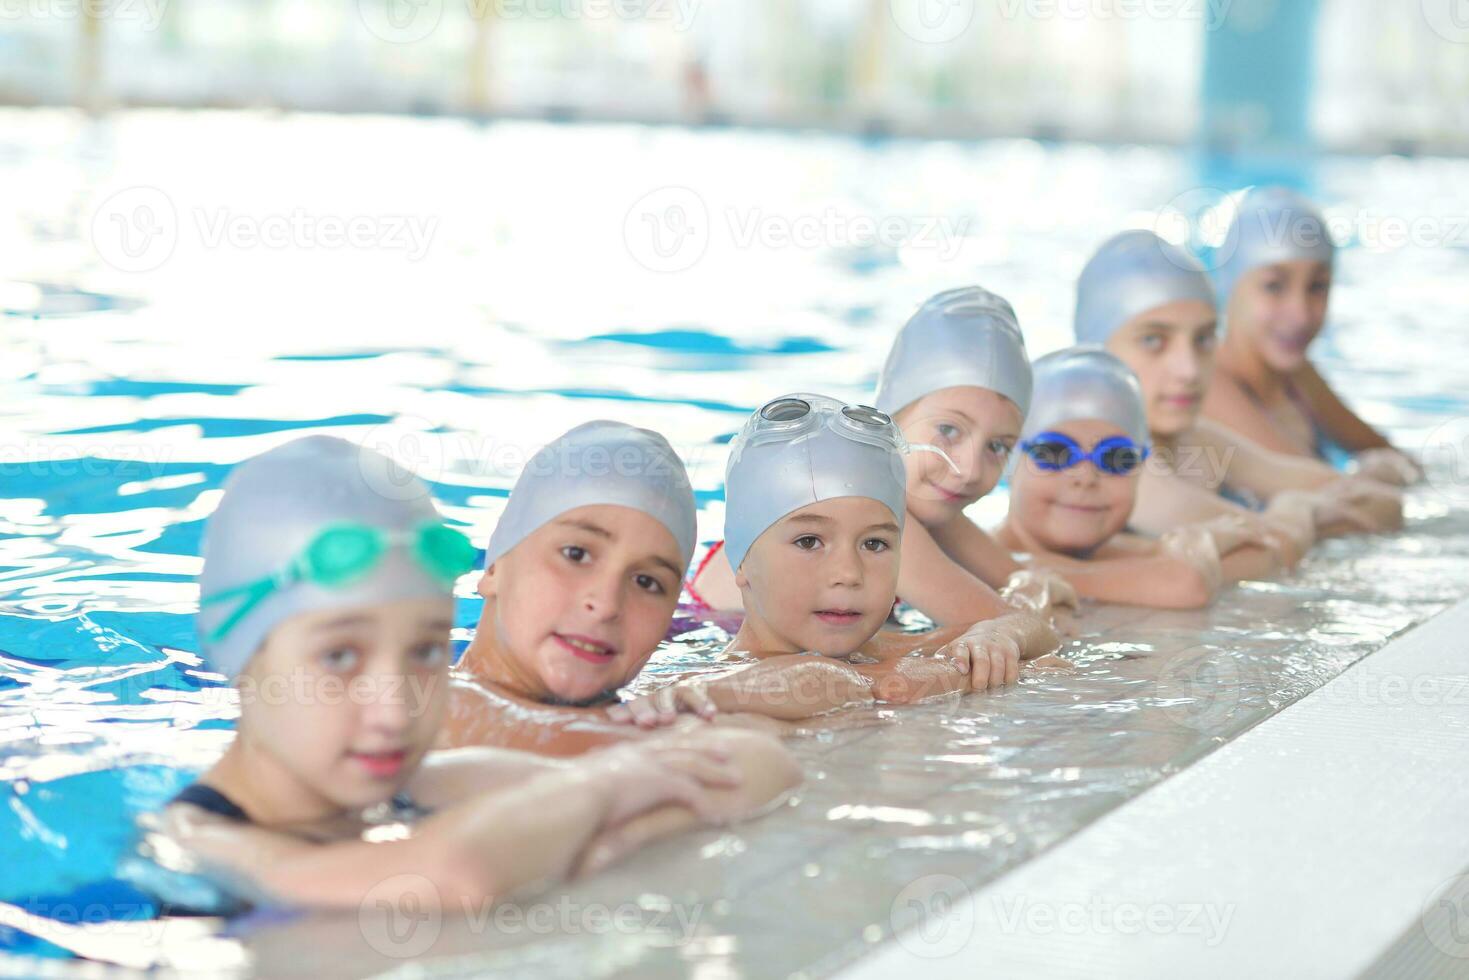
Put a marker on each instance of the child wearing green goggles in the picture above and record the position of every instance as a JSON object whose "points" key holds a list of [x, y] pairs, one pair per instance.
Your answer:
{"points": [[326, 599]]}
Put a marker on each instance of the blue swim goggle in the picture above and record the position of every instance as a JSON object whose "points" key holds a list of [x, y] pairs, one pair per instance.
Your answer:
{"points": [[787, 418], [341, 554], [1116, 455]]}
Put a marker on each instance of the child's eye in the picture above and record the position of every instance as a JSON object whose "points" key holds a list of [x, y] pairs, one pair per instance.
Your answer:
{"points": [[1273, 286], [575, 553], [807, 542], [341, 658], [876, 544], [1206, 341], [999, 447], [431, 654], [1320, 287], [650, 584], [1152, 342], [947, 431]]}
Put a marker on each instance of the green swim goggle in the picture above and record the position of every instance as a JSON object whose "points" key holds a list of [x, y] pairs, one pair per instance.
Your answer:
{"points": [[341, 554]]}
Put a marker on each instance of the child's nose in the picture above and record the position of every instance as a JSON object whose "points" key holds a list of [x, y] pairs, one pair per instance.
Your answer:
{"points": [[846, 567], [603, 597]]}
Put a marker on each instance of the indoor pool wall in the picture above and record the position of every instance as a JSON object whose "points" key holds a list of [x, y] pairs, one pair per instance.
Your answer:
{"points": [[507, 288]]}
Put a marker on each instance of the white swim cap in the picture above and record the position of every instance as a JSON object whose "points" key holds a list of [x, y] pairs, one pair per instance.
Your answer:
{"points": [[267, 555], [802, 449], [967, 336], [1086, 383], [599, 462], [1272, 224], [1132, 273]]}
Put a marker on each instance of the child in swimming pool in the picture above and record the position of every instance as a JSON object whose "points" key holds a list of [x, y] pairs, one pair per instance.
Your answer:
{"points": [[1274, 286], [1151, 305], [1071, 494], [582, 577], [814, 516], [957, 378], [326, 599]]}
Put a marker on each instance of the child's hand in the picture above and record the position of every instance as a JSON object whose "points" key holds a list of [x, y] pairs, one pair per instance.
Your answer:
{"points": [[989, 655], [1388, 466], [662, 707], [1039, 589], [1234, 531], [650, 774]]}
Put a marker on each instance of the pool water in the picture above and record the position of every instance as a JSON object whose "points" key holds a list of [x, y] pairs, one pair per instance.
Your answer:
{"points": [[181, 292]]}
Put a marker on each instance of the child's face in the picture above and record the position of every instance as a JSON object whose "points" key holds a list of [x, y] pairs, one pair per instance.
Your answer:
{"points": [[1279, 309], [1171, 350], [1074, 510], [978, 428], [583, 601], [823, 578], [350, 700]]}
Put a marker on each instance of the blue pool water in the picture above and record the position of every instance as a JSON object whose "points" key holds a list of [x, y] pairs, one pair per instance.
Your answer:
{"points": [[543, 286]]}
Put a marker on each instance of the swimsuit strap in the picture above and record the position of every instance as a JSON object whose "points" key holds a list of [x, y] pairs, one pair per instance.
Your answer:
{"points": [[703, 563], [211, 800]]}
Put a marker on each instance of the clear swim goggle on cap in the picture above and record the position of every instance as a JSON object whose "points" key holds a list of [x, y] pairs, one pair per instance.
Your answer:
{"points": [[792, 416]]}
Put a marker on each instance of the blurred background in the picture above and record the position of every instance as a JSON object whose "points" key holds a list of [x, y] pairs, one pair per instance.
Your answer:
{"points": [[1347, 75]]}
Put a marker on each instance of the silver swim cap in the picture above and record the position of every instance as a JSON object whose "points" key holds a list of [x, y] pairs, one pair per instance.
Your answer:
{"points": [[1087, 383], [966, 336], [275, 507], [599, 462], [1272, 224], [1132, 273], [802, 449]]}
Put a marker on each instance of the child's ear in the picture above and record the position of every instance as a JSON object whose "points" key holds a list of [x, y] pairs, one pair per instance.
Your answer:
{"points": [[741, 582]]}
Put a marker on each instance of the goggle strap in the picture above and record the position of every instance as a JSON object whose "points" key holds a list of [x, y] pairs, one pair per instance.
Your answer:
{"points": [[254, 594], [927, 448]]}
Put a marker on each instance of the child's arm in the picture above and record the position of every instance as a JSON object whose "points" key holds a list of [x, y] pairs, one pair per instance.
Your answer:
{"points": [[1267, 473], [968, 544], [1342, 425], [942, 589], [480, 849], [769, 771], [1134, 577], [790, 687]]}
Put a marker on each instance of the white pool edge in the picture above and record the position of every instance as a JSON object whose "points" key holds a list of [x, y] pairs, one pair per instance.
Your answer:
{"points": [[1303, 848]]}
